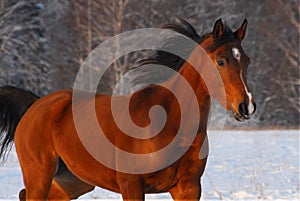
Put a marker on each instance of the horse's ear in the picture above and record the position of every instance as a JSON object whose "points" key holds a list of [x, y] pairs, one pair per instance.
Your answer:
{"points": [[241, 32], [218, 28]]}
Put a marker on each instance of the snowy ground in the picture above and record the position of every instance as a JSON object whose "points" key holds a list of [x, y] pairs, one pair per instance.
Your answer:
{"points": [[243, 165]]}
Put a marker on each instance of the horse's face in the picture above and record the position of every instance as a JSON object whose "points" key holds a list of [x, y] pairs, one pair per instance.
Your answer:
{"points": [[232, 62]]}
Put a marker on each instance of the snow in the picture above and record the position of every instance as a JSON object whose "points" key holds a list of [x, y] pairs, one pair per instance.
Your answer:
{"points": [[242, 165]]}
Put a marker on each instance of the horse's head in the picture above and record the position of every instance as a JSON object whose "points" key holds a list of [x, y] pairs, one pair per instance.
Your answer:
{"points": [[224, 47]]}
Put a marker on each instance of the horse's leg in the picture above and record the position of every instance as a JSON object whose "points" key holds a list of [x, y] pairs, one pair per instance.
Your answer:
{"points": [[35, 146], [22, 195], [186, 190], [65, 186], [37, 176], [37, 159], [130, 187], [71, 185], [55, 193]]}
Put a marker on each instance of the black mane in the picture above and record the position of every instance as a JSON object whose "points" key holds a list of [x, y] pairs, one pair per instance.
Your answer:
{"points": [[173, 61], [186, 29]]}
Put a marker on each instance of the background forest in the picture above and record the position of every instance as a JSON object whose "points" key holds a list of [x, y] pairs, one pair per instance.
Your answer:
{"points": [[44, 42]]}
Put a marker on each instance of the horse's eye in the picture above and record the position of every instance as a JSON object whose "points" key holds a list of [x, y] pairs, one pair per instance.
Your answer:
{"points": [[221, 63]]}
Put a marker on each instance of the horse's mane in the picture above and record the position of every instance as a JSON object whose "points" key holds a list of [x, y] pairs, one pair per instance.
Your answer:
{"points": [[168, 59], [172, 61]]}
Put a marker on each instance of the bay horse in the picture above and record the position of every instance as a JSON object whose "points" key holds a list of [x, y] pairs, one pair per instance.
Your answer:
{"points": [[55, 164]]}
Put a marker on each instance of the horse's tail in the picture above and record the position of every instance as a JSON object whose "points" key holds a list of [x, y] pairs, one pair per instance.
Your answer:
{"points": [[14, 102]]}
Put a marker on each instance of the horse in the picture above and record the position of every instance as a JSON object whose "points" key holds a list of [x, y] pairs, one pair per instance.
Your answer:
{"points": [[55, 163]]}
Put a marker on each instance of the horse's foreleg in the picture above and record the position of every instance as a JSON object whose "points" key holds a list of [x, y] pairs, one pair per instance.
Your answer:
{"points": [[187, 191], [130, 187]]}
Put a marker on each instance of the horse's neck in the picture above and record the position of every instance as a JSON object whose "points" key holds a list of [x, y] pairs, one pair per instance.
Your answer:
{"points": [[196, 83], [192, 75]]}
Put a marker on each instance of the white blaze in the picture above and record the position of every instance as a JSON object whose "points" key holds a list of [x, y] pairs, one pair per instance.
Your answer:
{"points": [[250, 104], [236, 53]]}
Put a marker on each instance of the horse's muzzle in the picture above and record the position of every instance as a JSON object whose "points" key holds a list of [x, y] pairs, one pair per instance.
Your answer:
{"points": [[244, 113]]}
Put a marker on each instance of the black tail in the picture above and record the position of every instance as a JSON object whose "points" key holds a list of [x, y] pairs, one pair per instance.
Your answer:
{"points": [[14, 102]]}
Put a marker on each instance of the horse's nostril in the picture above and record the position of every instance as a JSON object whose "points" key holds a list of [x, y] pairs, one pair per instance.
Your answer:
{"points": [[243, 109]]}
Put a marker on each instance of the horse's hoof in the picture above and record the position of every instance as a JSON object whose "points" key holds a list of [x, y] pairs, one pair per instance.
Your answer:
{"points": [[22, 195]]}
